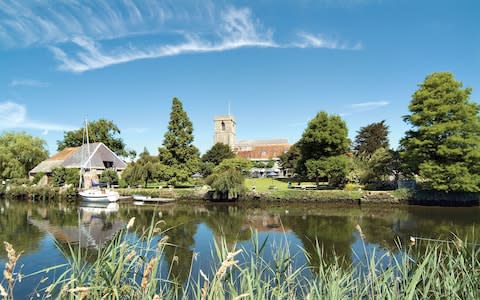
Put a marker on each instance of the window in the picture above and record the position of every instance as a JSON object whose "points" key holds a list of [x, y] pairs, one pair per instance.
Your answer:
{"points": [[223, 126], [108, 164]]}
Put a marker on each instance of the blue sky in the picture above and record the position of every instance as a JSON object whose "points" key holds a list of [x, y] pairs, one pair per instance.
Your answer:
{"points": [[277, 62]]}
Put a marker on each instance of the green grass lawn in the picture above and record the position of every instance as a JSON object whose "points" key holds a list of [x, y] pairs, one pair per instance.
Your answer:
{"points": [[263, 184]]}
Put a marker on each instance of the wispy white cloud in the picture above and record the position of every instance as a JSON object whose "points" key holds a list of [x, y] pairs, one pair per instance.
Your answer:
{"points": [[14, 116], [24, 24], [89, 35], [308, 40], [365, 106], [236, 30], [28, 82], [362, 107]]}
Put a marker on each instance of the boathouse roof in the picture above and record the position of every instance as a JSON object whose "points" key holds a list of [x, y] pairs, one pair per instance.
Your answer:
{"points": [[98, 156]]}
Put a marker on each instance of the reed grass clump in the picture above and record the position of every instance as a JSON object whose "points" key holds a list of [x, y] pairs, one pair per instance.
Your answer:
{"points": [[137, 269]]}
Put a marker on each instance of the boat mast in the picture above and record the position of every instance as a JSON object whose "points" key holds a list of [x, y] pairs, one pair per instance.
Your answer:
{"points": [[88, 147], [82, 156], [82, 162]]}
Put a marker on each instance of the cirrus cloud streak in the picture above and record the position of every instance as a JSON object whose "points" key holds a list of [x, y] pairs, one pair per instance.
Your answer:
{"points": [[89, 35]]}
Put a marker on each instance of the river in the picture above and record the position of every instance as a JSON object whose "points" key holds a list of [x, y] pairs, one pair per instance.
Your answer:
{"points": [[32, 229]]}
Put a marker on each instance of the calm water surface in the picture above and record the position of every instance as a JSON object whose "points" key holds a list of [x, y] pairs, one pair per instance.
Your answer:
{"points": [[33, 227]]}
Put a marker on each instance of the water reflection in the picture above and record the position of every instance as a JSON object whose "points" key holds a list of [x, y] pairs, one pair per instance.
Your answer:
{"points": [[193, 228], [14, 227], [95, 225]]}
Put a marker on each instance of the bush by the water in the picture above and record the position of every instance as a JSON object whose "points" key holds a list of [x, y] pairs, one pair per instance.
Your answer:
{"points": [[227, 179], [38, 193]]}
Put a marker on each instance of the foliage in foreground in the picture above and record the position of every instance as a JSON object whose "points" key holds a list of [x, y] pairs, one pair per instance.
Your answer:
{"points": [[138, 270]]}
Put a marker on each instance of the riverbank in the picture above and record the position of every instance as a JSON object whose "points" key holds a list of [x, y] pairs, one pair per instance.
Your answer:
{"points": [[359, 197], [38, 193]]}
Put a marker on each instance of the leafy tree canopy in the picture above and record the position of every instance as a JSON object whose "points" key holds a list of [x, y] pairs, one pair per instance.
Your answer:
{"points": [[334, 168], [19, 153], [325, 136], [99, 131], [378, 166], [146, 169], [228, 178], [370, 138], [241, 164], [218, 153], [290, 159], [442, 146]]}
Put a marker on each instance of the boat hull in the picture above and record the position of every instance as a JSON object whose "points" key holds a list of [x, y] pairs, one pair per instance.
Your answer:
{"points": [[148, 199], [99, 196]]}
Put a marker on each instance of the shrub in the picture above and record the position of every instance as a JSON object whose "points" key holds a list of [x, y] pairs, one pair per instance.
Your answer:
{"points": [[227, 181], [63, 176], [109, 176], [37, 177], [352, 187], [21, 181]]}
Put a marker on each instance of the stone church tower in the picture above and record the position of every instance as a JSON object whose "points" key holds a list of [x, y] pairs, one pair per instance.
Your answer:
{"points": [[225, 130]]}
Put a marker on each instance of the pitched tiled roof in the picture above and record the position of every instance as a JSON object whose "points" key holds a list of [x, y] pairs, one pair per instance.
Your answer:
{"points": [[98, 154], [262, 142], [263, 152], [73, 158], [46, 166], [64, 154]]}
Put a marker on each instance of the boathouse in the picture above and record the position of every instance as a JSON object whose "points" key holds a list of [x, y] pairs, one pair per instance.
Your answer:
{"points": [[97, 158]]}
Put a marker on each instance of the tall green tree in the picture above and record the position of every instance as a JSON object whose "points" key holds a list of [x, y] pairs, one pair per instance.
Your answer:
{"points": [[19, 153], [323, 144], [325, 136], [178, 151], [371, 138], [99, 131], [443, 144]]}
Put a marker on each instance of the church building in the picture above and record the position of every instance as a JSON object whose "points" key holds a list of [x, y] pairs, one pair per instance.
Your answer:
{"points": [[261, 152]]}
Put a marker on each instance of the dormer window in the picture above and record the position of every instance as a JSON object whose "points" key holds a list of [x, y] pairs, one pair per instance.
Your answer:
{"points": [[108, 164]]}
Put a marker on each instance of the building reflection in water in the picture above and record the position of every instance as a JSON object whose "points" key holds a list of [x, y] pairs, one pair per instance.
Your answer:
{"points": [[96, 225]]}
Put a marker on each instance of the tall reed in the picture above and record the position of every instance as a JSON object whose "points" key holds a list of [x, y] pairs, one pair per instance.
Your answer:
{"points": [[135, 268]]}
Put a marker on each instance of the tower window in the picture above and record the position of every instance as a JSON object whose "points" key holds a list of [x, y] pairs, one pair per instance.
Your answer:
{"points": [[223, 126]]}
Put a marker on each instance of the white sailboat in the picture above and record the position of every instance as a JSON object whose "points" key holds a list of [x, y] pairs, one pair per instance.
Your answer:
{"points": [[95, 193]]}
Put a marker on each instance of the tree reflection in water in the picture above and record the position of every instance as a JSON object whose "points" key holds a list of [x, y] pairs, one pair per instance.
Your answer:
{"points": [[194, 227]]}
